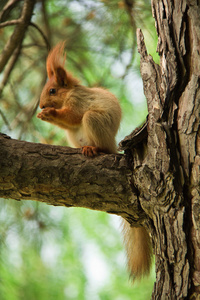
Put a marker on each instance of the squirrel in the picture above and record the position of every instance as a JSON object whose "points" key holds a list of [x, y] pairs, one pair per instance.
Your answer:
{"points": [[91, 118]]}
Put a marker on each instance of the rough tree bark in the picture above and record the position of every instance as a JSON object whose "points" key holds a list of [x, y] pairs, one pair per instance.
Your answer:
{"points": [[156, 183], [168, 178], [63, 176]]}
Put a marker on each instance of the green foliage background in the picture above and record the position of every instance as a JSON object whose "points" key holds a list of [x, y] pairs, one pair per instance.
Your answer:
{"points": [[53, 252]]}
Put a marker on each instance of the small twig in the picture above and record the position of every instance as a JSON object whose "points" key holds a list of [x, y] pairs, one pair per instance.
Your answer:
{"points": [[10, 23], [30, 111], [7, 8], [26, 113], [42, 34], [9, 68], [46, 22], [129, 5], [26, 70], [17, 36]]}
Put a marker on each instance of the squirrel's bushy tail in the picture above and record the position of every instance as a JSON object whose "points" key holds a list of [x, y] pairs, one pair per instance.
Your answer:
{"points": [[139, 250]]}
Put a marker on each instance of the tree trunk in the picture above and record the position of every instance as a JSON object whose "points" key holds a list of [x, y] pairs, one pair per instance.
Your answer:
{"points": [[156, 182], [168, 178]]}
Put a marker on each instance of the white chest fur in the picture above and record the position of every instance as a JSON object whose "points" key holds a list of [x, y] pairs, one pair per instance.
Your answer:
{"points": [[78, 138]]}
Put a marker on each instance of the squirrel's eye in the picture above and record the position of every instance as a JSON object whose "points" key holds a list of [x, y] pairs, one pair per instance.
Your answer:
{"points": [[52, 91]]}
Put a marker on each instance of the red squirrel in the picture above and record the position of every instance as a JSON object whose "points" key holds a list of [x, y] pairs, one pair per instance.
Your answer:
{"points": [[91, 118]]}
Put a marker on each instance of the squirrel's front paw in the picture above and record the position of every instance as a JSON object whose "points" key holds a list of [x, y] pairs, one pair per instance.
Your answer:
{"points": [[90, 151], [47, 114]]}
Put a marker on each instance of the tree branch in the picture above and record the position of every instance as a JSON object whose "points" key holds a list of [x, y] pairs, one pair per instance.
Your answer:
{"points": [[63, 176], [9, 23], [9, 68], [42, 34], [6, 9], [16, 38]]}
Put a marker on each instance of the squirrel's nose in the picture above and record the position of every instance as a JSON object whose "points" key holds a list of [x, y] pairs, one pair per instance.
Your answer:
{"points": [[42, 106]]}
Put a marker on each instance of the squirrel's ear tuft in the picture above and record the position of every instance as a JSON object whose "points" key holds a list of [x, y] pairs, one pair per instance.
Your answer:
{"points": [[61, 76], [56, 60]]}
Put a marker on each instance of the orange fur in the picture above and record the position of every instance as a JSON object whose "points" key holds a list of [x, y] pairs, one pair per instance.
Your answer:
{"points": [[91, 117], [56, 61], [95, 112], [138, 248]]}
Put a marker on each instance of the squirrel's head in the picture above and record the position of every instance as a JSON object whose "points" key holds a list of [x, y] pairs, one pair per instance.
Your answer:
{"points": [[60, 81]]}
